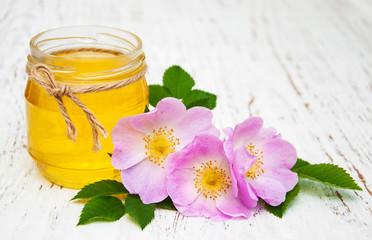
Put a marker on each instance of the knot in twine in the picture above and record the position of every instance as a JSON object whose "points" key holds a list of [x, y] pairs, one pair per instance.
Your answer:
{"points": [[63, 90], [44, 77]]}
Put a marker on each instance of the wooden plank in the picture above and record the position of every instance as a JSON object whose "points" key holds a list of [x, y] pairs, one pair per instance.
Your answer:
{"points": [[304, 66]]}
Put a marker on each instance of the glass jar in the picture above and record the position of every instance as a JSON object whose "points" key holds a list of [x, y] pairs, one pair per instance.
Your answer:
{"points": [[80, 56]]}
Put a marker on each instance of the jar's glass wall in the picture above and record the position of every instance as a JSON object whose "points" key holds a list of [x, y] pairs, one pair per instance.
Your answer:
{"points": [[80, 56]]}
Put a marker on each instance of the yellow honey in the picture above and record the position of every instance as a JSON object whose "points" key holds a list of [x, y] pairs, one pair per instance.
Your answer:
{"points": [[80, 56]]}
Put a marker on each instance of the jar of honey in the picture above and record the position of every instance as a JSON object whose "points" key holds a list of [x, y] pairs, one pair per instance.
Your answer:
{"points": [[79, 57]]}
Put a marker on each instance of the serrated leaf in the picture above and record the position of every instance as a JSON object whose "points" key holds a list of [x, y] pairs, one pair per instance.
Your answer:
{"points": [[300, 163], [166, 204], [140, 212], [106, 208], [101, 188], [279, 210], [177, 81], [157, 93], [328, 174], [200, 98]]}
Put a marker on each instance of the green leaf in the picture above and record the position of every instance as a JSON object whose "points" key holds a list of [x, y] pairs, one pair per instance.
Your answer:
{"points": [[328, 174], [101, 188], [146, 109], [279, 210], [110, 154], [200, 98], [157, 93], [140, 212], [106, 208], [300, 163], [166, 204], [177, 81]]}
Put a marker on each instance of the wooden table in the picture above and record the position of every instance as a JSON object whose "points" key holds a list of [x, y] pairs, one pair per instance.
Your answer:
{"points": [[304, 66]]}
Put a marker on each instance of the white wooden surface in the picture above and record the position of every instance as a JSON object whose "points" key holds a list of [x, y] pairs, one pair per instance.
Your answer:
{"points": [[304, 66]]}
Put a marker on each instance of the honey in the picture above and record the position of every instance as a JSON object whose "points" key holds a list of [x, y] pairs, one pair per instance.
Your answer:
{"points": [[60, 160]]}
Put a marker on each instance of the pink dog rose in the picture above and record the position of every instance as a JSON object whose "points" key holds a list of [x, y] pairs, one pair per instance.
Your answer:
{"points": [[144, 142], [200, 181], [261, 162]]}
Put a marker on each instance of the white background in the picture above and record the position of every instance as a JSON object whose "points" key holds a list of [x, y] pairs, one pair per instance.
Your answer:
{"points": [[304, 66]]}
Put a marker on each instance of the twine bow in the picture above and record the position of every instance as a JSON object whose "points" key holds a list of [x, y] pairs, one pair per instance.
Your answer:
{"points": [[44, 77]]}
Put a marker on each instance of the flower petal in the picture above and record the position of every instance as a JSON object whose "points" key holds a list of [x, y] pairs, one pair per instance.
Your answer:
{"points": [[228, 143], [196, 121], [269, 189], [247, 194], [286, 177], [168, 111], [146, 179], [279, 154], [129, 148], [202, 207], [232, 206], [180, 186], [251, 131], [245, 131], [203, 147], [243, 162], [228, 131]]}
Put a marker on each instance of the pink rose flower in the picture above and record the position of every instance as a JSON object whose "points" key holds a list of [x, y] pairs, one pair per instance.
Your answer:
{"points": [[200, 181], [144, 142], [261, 162]]}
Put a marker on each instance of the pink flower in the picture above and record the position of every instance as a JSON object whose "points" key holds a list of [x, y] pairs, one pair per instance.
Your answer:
{"points": [[200, 181], [261, 162], [144, 142]]}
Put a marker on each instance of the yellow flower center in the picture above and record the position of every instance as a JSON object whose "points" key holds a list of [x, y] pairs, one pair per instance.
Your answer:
{"points": [[160, 144], [256, 169], [211, 180]]}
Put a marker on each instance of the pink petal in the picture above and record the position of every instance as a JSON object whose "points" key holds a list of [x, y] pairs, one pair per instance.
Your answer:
{"points": [[279, 154], [202, 207], [251, 131], [286, 177], [202, 148], [146, 179], [168, 112], [180, 186], [269, 189], [228, 131], [228, 144], [243, 162], [245, 131], [129, 148], [196, 121], [232, 206], [247, 194], [234, 184]]}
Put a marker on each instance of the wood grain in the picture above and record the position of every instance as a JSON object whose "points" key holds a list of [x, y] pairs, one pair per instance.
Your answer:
{"points": [[304, 66]]}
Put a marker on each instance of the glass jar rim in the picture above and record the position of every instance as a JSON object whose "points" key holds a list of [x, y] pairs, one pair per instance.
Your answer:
{"points": [[122, 53], [35, 40]]}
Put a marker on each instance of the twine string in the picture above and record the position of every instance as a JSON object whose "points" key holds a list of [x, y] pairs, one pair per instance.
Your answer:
{"points": [[43, 76]]}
